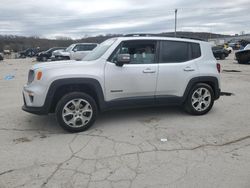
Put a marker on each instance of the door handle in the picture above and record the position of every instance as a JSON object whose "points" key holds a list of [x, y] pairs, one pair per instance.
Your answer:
{"points": [[149, 71], [188, 69]]}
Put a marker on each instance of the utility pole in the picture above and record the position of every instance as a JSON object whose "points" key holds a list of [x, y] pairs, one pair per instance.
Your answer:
{"points": [[175, 25]]}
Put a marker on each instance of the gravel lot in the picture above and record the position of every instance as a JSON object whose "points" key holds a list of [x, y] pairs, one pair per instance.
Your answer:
{"points": [[124, 148]]}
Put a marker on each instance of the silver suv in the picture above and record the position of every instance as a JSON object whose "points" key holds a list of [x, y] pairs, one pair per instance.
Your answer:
{"points": [[74, 52], [125, 72]]}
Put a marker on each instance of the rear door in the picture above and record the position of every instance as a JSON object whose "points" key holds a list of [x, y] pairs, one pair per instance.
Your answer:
{"points": [[177, 65]]}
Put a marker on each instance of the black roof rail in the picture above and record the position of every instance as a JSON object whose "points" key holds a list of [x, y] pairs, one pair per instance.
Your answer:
{"points": [[193, 38], [160, 35], [142, 35]]}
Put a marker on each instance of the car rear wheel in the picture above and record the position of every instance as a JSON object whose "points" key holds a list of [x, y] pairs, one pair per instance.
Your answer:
{"points": [[76, 112], [200, 99]]}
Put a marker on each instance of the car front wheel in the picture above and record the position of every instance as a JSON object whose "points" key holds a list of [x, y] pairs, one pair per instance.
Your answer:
{"points": [[222, 56], [76, 112], [200, 99], [44, 58]]}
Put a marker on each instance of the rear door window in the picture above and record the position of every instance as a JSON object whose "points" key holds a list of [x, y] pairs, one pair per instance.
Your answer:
{"points": [[178, 51]]}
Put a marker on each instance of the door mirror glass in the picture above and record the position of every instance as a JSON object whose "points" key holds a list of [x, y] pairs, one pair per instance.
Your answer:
{"points": [[123, 59]]}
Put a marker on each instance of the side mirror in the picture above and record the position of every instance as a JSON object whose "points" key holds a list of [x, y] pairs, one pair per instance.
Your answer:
{"points": [[75, 50], [123, 59]]}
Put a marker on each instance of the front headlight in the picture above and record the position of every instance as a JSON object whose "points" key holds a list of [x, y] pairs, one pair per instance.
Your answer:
{"points": [[31, 76]]}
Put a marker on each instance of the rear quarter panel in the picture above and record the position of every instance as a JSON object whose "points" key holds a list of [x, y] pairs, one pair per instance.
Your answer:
{"points": [[207, 65]]}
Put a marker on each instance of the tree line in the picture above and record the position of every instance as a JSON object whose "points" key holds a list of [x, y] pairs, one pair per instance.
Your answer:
{"points": [[19, 43]]}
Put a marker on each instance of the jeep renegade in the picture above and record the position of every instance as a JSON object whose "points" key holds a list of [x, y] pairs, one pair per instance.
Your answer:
{"points": [[129, 71]]}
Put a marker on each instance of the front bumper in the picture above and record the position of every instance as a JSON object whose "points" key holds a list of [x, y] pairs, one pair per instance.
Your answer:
{"points": [[39, 58], [28, 99], [34, 110]]}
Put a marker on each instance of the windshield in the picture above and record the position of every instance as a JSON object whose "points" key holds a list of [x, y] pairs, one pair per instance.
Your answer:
{"points": [[100, 50], [69, 48], [247, 47], [49, 50]]}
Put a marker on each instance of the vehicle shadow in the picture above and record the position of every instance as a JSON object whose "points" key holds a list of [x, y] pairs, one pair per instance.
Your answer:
{"points": [[140, 113], [49, 124]]}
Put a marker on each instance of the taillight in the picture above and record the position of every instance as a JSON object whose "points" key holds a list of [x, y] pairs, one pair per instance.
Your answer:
{"points": [[218, 67]]}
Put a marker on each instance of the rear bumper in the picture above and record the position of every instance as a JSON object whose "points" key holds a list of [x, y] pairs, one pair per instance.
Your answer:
{"points": [[217, 94]]}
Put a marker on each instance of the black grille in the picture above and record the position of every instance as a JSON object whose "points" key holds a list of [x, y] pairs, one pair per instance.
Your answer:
{"points": [[31, 76]]}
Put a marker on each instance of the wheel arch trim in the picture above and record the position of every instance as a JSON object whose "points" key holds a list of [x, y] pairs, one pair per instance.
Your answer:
{"points": [[203, 79], [90, 82]]}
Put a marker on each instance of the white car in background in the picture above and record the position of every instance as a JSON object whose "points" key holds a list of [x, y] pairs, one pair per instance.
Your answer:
{"points": [[56, 53], [229, 49], [74, 52]]}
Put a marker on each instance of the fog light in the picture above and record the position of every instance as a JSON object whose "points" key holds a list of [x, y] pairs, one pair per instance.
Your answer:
{"points": [[31, 98], [31, 94]]}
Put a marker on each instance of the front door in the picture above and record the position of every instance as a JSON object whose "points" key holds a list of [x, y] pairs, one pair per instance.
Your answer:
{"points": [[136, 80]]}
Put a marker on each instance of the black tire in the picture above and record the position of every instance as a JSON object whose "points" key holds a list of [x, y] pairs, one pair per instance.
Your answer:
{"points": [[44, 59], [241, 62], [188, 103], [222, 56], [65, 100]]}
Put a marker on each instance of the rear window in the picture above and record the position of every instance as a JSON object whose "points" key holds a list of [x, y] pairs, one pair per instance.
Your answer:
{"points": [[177, 51], [196, 50]]}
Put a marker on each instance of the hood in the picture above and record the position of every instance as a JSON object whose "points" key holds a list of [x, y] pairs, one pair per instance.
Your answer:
{"points": [[63, 53], [243, 50], [61, 64], [43, 52], [53, 64], [57, 52]]}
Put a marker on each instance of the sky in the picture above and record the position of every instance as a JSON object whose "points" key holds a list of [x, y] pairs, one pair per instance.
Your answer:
{"points": [[81, 18]]}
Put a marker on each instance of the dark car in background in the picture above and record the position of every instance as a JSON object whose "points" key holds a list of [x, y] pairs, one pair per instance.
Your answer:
{"points": [[1, 56], [44, 56], [30, 52], [220, 52], [243, 56]]}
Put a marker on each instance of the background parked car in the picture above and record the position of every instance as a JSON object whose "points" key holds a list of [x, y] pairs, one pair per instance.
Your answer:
{"points": [[243, 56], [75, 51], [228, 48], [220, 52], [30, 52], [56, 53], [1, 56], [7, 52], [45, 55]]}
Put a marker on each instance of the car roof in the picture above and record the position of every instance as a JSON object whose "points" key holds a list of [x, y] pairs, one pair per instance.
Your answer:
{"points": [[159, 38], [84, 43]]}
